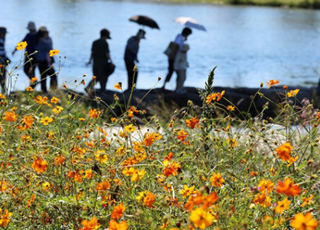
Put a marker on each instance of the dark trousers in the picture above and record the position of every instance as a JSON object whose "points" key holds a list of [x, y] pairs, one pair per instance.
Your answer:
{"points": [[132, 76], [45, 72], [101, 71], [3, 78], [170, 70], [29, 69]]}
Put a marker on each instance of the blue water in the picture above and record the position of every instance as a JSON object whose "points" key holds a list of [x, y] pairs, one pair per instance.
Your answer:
{"points": [[248, 44]]}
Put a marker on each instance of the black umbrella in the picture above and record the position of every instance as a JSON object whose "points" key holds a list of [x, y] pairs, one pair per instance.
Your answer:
{"points": [[144, 21]]}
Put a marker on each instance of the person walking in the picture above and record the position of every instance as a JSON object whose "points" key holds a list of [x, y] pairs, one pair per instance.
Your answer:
{"points": [[43, 44], [176, 47], [29, 65], [102, 63], [131, 57], [4, 60], [180, 66]]}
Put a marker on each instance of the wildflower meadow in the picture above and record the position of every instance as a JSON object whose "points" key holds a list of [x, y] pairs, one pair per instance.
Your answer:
{"points": [[64, 165]]}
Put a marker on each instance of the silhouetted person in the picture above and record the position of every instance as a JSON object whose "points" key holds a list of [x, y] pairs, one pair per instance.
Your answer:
{"points": [[43, 44], [131, 56], [29, 66], [180, 66], [178, 43], [102, 63], [3, 59]]}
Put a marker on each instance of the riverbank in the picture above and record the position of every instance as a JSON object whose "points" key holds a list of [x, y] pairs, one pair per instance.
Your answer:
{"points": [[307, 4]]}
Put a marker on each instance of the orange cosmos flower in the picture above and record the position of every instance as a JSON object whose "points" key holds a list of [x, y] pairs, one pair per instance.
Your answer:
{"points": [[53, 52], [59, 160], [29, 89], [288, 188], [201, 219], [149, 199], [262, 199], [39, 165], [113, 225], [192, 122], [283, 205], [209, 200], [22, 45], [5, 217], [304, 222], [284, 151], [118, 211], [118, 85], [93, 224], [103, 186], [306, 201], [266, 186], [93, 113], [33, 80], [272, 83], [54, 100], [150, 138], [170, 168], [217, 180], [10, 116], [182, 135]]}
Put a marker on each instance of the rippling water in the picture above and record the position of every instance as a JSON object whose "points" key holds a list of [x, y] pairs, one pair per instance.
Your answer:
{"points": [[248, 44]]}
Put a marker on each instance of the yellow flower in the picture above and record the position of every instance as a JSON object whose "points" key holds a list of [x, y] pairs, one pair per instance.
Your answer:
{"points": [[101, 156], [293, 93], [57, 109], [5, 218], [200, 218], [46, 186], [186, 191], [46, 120], [138, 175], [266, 186], [81, 119], [129, 128], [230, 108], [22, 45], [29, 89], [53, 52]]}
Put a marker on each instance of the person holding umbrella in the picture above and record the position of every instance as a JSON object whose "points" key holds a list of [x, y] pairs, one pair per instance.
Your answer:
{"points": [[131, 57], [176, 48]]}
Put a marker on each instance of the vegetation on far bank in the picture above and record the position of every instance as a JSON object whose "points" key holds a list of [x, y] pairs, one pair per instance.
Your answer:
{"points": [[309, 4]]}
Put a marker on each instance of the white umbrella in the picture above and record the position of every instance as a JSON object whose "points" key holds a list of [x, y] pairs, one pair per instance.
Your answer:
{"points": [[190, 22]]}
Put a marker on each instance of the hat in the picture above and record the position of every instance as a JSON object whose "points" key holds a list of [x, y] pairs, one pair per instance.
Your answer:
{"points": [[105, 33], [43, 29], [3, 30], [141, 34], [31, 26]]}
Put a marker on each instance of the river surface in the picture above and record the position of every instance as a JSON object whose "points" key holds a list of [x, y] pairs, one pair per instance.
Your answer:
{"points": [[248, 44]]}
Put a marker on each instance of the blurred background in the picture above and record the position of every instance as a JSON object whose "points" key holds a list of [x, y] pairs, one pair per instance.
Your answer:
{"points": [[249, 44]]}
